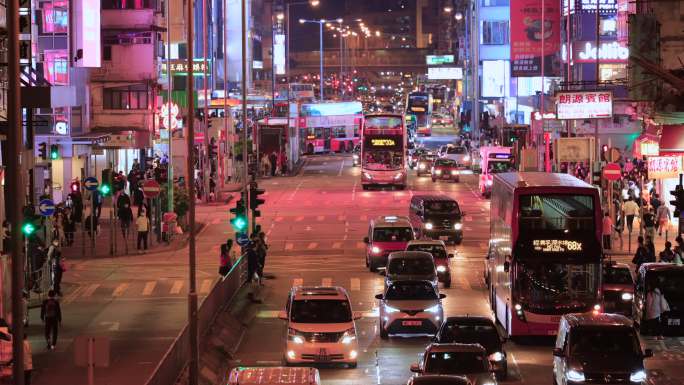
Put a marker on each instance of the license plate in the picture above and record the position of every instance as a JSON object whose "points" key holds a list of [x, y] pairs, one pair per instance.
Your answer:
{"points": [[673, 321], [323, 355], [411, 323], [444, 238]]}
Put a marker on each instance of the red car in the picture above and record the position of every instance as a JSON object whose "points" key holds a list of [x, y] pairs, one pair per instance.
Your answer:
{"points": [[446, 169]]}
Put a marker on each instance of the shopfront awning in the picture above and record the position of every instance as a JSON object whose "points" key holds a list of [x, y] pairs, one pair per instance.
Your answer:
{"points": [[672, 139]]}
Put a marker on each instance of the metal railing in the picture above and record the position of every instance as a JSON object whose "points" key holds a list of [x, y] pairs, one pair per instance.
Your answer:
{"points": [[176, 357]]}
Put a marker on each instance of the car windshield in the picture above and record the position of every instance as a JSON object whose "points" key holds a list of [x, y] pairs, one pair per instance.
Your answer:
{"points": [[411, 291], [404, 266], [604, 341], [392, 234], [437, 251], [485, 335], [456, 150], [445, 162], [556, 214], [557, 288], [456, 363], [383, 160], [442, 207], [320, 311], [495, 167], [618, 276]]}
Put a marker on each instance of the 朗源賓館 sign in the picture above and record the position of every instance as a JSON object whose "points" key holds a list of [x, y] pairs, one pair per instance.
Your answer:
{"points": [[664, 167], [584, 105]]}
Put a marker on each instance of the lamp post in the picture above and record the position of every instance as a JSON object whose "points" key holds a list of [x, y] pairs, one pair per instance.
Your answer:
{"points": [[320, 23]]}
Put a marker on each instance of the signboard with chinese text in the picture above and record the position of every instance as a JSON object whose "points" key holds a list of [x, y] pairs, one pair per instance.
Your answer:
{"points": [[584, 105], [445, 73], [664, 167], [527, 36], [433, 60], [180, 67], [556, 245]]}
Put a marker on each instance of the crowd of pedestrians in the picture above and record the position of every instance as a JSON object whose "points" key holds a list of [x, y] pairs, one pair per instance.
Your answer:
{"points": [[273, 164]]}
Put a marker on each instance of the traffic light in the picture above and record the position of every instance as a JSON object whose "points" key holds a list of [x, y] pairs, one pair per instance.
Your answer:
{"points": [[54, 152], [239, 219], [42, 150], [678, 202], [106, 183], [28, 228], [75, 186], [254, 200], [604, 153]]}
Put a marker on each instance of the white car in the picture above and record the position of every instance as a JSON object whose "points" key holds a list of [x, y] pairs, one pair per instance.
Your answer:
{"points": [[410, 307], [320, 326], [459, 154]]}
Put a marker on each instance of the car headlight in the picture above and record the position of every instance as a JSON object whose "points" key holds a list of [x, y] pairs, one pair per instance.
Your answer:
{"points": [[421, 166], [454, 172], [574, 375], [627, 296], [438, 172], [638, 376], [496, 357], [398, 176], [433, 309], [458, 226], [375, 250], [294, 337], [348, 336], [489, 183], [390, 309], [367, 176], [466, 158], [355, 156], [441, 269], [428, 226]]}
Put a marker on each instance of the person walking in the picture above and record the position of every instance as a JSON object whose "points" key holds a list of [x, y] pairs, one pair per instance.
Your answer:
{"points": [[51, 314], [58, 269], [265, 165], [91, 224], [607, 230], [651, 250], [28, 360], [631, 209], [142, 224], [232, 253], [58, 224], [124, 213], [273, 159], [261, 249], [69, 225], [663, 218], [224, 261], [252, 268], [641, 254], [656, 306], [667, 255], [649, 222]]}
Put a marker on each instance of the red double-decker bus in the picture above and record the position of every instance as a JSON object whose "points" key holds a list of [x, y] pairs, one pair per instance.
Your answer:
{"points": [[330, 126], [545, 250], [383, 151]]}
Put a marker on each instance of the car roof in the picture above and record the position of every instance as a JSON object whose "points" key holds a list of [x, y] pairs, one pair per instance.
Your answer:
{"points": [[433, 198], [439, 379], [617, 265], [434, 242], [469, 320], [600, 319], [541, 179], [660, 266], [409, 255], [319, 292], [455, 347], [391, 221]]}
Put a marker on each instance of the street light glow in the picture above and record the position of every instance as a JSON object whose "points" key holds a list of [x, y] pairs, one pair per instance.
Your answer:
{"points": [[458, 16], [280, 16], [340, 20], [448, 9], [314, 3], [302, 21]]}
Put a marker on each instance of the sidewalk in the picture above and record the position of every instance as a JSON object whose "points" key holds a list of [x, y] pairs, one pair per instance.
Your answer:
{"points": [[629, 244]]}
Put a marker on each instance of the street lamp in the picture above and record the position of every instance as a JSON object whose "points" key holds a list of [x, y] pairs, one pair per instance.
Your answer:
{"points": [[313, 3], [458, 16], [320, 23], [448, 9]]}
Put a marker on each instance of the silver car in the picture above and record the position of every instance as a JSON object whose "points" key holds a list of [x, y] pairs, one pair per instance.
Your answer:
{"points": [[409, 266], [410, 307], [459, 154]]}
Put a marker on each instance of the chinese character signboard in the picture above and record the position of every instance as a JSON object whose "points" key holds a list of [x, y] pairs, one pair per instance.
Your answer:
{"points": [[584, 105], [664, 167], [527, 33], [179, 67]]}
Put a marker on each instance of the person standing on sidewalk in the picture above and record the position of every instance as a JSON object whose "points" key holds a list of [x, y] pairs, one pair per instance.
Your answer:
{"points": [[650, 246], [124, 212], [663, 218], [641, 254], [607, 230], [28, 361], [656, 306], [57, 266], [142, 224], [649, 222], [51, 314], [631, 209], [667, 255], [69, 224]]}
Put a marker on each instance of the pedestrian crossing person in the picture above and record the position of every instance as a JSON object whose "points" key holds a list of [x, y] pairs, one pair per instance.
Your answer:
{"points": [[142, 224], [51, 314]]}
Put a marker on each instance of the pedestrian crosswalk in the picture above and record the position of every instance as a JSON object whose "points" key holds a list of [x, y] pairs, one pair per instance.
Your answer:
{"points": [[337, 245], [133, 289]]}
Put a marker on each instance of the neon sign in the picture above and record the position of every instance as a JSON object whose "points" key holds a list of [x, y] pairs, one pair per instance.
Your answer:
{"points": [[383, 142], [607, 51], [169, 116], [556, 245]]}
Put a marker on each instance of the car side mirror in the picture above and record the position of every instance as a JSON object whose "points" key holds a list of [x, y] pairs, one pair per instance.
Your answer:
{"points": [[366, 240], [442, 296], [379, 296], [648, 353], [357, 315], [415, 368], [558, 352], [282, 315], [450, 256], [507, 266]]}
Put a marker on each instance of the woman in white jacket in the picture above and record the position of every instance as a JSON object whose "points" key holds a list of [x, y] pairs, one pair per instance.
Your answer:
{"points": [[656, 306]]}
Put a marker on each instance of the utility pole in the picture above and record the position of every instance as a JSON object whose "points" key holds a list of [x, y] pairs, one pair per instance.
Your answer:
{"points": [[228, 145], [190, 181], [206, 164], [15, 188], [169, 73], [245, 163]]}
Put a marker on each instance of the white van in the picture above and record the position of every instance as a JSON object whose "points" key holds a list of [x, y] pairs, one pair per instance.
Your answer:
{"points": [[274, 376]]}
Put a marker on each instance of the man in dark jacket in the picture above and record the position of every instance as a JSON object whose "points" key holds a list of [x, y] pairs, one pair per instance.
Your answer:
{"points": [[51, 314], [124, 212], [641, 256]]}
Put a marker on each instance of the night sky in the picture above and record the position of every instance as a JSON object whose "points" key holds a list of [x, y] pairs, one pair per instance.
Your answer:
{"points": [[305, 37]]}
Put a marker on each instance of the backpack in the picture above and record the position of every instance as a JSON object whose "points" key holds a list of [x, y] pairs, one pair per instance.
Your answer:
{"points": [[51, 307]]}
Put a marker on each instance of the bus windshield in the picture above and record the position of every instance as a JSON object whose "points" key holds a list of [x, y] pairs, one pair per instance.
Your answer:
{"points": [[556, 213], [556, 288]]}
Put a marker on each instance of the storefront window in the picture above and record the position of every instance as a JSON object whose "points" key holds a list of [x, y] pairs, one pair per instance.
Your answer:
{"points": [[612, 72], [494, 32]]}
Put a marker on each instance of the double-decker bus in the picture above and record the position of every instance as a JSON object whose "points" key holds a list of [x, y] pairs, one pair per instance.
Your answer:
{"points": [[419, 104], [383, 150], [330, 126], [545, 250], [301, 92]]}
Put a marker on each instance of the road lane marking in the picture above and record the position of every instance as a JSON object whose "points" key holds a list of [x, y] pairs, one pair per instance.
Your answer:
{"points": [[341, 168], [149, 287], [267, 314], [298, 282], [90, 290], [360, 245], [326, 282], [279, 219], [354, 191], [206, 286], [337, 245], [468, 219], [120, 290], [355, 284], [484, 245], [289, 245], [464, 283], [299, 219], [320, 218], [342, 218], [291, 197], [312, 245], [177, 287]]}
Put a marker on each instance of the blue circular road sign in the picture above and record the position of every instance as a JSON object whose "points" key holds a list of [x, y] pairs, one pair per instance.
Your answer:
{"points": [[46, 207], [242, 239], [90, 183]]}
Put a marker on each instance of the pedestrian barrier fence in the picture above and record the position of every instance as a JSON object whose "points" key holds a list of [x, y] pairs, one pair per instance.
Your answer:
{"points": [[177, 356]]}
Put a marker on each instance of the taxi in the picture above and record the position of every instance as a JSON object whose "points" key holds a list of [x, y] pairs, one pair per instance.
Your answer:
{"points": [[446, 169], [385, 235]]}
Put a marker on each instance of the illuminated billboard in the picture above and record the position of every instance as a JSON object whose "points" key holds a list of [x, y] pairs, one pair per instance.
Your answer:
{"points": [[495, 76], [584, 105], [445, 73], [433, 60], [86, 33], [279, 54], [527, 34]]}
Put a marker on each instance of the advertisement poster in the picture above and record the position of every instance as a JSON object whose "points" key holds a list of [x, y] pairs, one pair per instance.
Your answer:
{"points": [[527, 33]]}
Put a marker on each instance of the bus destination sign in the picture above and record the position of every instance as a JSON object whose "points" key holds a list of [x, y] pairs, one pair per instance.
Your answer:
{"points": [[383, 142], [556, 245]]}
